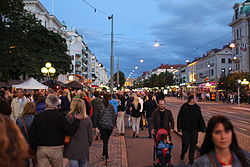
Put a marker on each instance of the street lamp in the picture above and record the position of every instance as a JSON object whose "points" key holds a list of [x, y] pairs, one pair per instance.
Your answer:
{"points": [[48, 70], [112, 55], [238, 88]]}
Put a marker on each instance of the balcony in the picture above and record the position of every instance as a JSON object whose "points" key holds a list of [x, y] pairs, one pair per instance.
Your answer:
{"points": [[78, 63], [78, 72]]}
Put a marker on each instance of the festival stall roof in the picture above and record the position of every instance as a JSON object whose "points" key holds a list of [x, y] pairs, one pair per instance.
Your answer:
{"points": [[74, 84], [31, 84]]}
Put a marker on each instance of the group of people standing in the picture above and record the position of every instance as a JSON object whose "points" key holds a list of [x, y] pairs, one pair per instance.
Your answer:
{"points": [[45, 123]]}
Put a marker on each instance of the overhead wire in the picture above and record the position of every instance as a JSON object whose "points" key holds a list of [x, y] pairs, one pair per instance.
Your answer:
{"points": [[96, 9]]}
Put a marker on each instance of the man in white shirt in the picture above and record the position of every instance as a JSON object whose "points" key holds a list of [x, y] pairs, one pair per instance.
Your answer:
{"points": [[17, 104]]}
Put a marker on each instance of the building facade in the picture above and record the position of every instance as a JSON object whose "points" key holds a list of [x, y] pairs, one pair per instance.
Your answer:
{"points": [[240, 35]]}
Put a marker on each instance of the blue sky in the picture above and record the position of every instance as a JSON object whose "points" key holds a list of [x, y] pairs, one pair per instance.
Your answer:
{"points": [[180, 26]]}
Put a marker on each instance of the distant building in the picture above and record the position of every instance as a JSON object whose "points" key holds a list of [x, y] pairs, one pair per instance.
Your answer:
{"points": [[209, 68], [129, 82], [241, 33]]}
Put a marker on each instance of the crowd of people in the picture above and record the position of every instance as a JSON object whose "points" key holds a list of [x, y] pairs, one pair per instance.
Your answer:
{"points": [[43, 127], [221, 96]]}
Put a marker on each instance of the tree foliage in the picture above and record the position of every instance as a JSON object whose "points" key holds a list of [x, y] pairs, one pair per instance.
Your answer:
{"points": [[26, 45], [229, 82], [122, 79], [162, 80]]}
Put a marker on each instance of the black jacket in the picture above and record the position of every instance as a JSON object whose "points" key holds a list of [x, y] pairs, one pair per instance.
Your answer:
{"points": [[136, 112], [49, 129], [190, 118], [149, 107], [168, 121]]}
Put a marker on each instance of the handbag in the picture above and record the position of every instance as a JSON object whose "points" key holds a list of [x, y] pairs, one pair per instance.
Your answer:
{"points": [[67, 138], [32, 153]]}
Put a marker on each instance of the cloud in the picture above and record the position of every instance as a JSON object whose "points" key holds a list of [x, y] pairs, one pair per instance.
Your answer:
{"points": [[182, 26]]}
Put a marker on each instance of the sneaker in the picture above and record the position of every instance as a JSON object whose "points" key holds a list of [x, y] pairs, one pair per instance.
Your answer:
{"points": [[137, 136], [134, 134]]}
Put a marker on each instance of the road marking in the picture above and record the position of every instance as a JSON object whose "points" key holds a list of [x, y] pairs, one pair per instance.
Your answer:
{"points": [[243, 122], [241, 108], [242, 129]]}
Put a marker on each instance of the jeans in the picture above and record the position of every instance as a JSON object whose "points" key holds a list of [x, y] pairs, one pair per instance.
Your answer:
{"points": [[136, 124], [149, 126], [78, 163], [120, 122], [105, 134]]}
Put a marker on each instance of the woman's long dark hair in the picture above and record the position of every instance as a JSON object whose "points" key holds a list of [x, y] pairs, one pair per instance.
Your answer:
{"points": [[208, 145], [106, 98]]}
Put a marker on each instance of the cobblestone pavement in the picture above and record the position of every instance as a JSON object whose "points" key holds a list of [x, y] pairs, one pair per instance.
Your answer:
{"points": [[115, 152]]}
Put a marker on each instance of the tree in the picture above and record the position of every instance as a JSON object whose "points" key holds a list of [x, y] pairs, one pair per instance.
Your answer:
{"points": [[26, 45], [229, 83], [121, 79]]}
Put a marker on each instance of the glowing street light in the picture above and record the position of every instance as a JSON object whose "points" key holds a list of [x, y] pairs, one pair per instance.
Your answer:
{"points": [[136, 67], [156, 44], [48, 70], [141, 61]]}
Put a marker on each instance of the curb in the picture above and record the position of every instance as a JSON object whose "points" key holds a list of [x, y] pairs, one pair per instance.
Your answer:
{"points": [[124, 152]]}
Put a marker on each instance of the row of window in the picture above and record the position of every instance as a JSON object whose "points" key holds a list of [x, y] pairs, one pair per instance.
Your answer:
{"points": [[223, 60]]}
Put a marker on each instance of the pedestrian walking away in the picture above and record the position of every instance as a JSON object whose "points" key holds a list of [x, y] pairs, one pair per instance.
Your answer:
{"points": [[47, 133], [77, 151], [106, 121], [148, 107], [190, 122], [135, 108]]}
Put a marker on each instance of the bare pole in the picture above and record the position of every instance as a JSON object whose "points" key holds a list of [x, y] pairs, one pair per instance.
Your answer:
{"points": [[118, 81], [112, 55]]}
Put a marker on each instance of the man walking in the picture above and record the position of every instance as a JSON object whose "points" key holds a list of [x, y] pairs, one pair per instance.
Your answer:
{"points": [[48, 131], [190, 122], [148, 107], [17, 104], [162, 118]]}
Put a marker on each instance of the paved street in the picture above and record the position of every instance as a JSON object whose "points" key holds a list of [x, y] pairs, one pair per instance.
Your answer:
{"points": [[138, 152], [239, 116]]}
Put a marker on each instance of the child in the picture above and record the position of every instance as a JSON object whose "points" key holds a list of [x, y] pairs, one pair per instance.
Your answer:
{"points": [[163, 150]]}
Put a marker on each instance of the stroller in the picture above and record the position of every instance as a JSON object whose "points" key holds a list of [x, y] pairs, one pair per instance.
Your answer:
{"points": [[156, 158]]}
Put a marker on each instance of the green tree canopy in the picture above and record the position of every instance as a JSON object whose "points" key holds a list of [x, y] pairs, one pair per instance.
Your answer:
{"points": [[229, 83], [26, 45], [121, 78]]}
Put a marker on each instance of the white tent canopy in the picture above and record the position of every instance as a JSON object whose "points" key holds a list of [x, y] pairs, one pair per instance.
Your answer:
{"points": [[31, 84]]}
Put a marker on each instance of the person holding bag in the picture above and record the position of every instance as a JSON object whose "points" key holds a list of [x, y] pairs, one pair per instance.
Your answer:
{"points": [[24, 123], [77, 151]]}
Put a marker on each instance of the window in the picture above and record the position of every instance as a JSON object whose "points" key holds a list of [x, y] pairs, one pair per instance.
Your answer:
{"points": [[223, 60], [237, 34], [229, 60], [236, 14], [212, 72], [72, 57]]}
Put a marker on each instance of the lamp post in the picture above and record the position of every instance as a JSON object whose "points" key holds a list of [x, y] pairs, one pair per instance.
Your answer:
{"points": [[238, 88], [112, 55], [48, 70]]}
